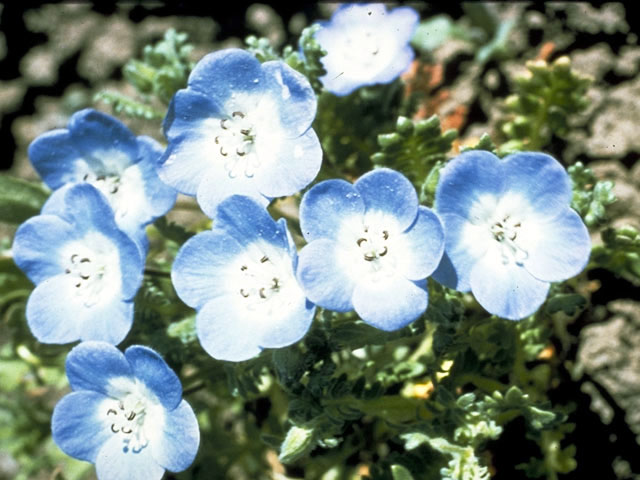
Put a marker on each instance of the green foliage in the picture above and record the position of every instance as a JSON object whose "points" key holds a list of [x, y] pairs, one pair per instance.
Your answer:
{"points": [[432, 33], [306, 59], [545, 99], [590, 196], [172, 231], [485, 143], [619, 253], [163, 70], [414, 149], [20, 199]]}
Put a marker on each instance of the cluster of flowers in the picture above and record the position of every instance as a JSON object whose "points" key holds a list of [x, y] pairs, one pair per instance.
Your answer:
{"points": [[239, 136]]}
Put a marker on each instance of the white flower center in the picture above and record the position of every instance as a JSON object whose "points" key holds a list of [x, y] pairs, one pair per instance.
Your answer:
{"points": [[92, 265], [112, 186], [235, 143], [505, 231], [127, 417]]}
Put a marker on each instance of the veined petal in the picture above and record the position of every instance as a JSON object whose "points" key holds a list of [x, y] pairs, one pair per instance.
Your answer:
{"points": [[77, 427], [506, 289], [226, 332], [198, 270], [558, 248], [422, 246], [188, 159], [324, 207], [403, 22], [287, 165], [187, 108], [470, 185], [103, 138], [291, 92], [150, 368], [56, 159], [292, 318], [176, 448], [37, 243], [385, 190], [91, 365], [324, 280], [114, 463], [541, 179], [391, 303], [221, 73]]}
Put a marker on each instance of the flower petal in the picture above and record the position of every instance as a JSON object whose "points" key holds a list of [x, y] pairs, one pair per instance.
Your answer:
{"points": [[422, 246], [186, 110], [469, 181], [287, 165], [37, 243], [385, 190], [150, 368], [217, 186], [506, 290], [292, 320], [221, 73], [104, 139], [226, 332], [557, 249], [324, 207], [56, 314], [91, 365], [391, 303], [541, 179], [187, 159], [292, 95], [197, 272], [114, 462], [55, 158], [77, 426], [176, 448], [324, 280]]}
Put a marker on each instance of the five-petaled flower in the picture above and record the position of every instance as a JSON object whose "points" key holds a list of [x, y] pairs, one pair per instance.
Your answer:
{"points": [[86, 270], [125, 413], [366, 45], [371, 248], [240, 277], [509, 229], [97, 148], [241, 127]]}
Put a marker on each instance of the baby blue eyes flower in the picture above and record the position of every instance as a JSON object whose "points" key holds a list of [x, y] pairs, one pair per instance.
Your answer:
{"points": [[125, 414], [240, 278], [366, 44], [371, 248], [86, 270], [509, 229], [241, 127], [98, 149]]}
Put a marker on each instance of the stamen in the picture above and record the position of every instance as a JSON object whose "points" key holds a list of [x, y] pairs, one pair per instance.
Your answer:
{"points": [[114, 429], [360, 240], [383, 252], [385, 234], [111, 411], [126, 430], [243, 268], [223, 123], [243, 293], [368, 257], [223, 152], [237, 114], [264, 259], [261, 293]]}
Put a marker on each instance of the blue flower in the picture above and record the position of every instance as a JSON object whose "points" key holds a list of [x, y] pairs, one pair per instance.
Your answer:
{"points": [[241, 127], [98, 149], [371, 248], [125, 413], [509, 229], [86, 270], [240, 278], [365, 44]]}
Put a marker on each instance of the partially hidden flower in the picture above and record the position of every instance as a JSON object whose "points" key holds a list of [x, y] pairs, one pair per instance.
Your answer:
{"points": [[366, 44], [241, 127], [86, 270], [98, 149], [125, 413], [371, 248], [240, 277], [509, 229]]}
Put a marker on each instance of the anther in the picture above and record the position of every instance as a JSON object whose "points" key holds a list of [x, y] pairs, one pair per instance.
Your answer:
{"points": [[275, 283], [383, 252], [241, 153], [369, 258], [85, 277], [217, 139], [261, 293], [243, 293], [73, 257], [385, 234], [245, 131], [243, 268], [126, 430], [223, 123], [222, 152], [264, 259], [131, 416], [114, 429], [237, 114], [85, 260], [360, 240], [111, 411], [66, 270]]}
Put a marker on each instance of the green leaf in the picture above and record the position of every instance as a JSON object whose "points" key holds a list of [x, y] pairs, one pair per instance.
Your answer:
{"points": [[620, 253], [590, 196], [399, 472], [123, 104], [432, 33], [569, 303], [20, 199]]}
